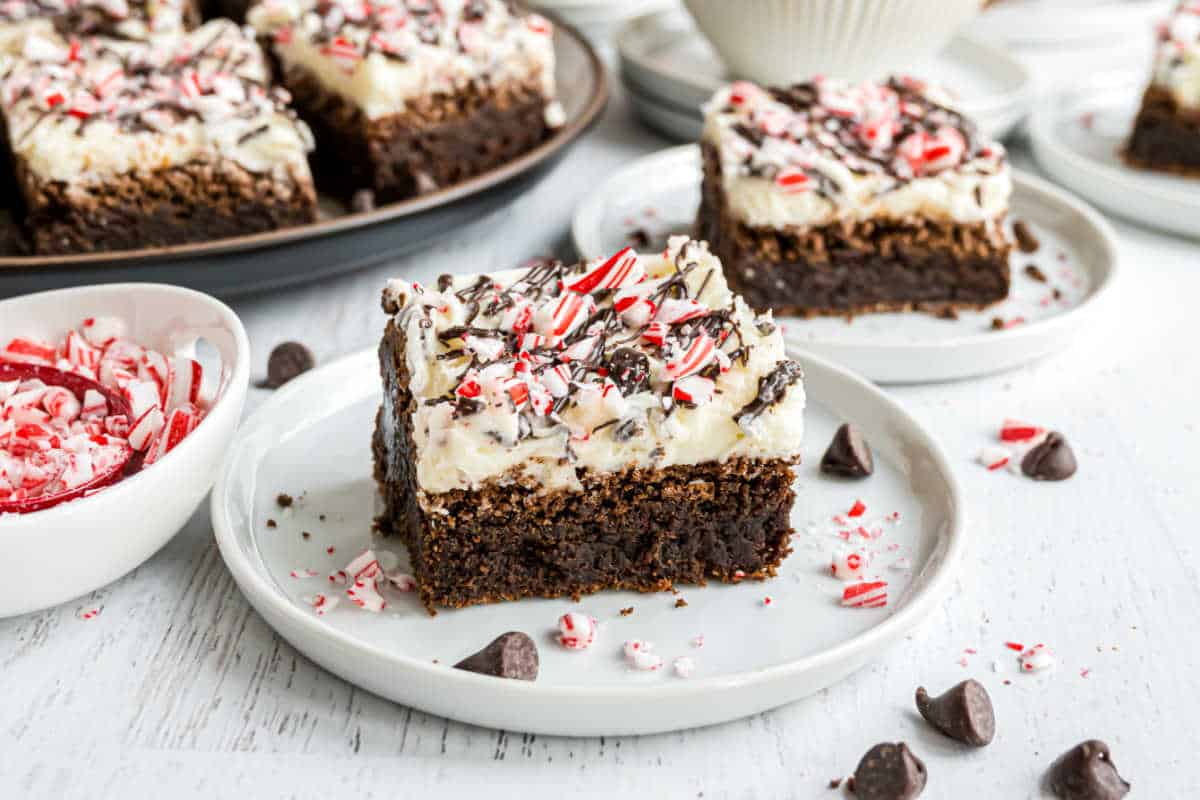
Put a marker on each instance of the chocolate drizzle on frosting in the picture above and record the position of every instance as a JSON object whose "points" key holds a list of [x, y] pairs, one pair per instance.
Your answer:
{"points": [[771, 387]]}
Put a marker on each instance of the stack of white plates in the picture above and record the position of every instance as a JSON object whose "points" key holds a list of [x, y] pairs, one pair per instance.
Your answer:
{"points": [[599, 17], [670, 70]]}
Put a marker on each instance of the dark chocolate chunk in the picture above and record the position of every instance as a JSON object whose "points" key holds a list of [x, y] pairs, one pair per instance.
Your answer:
{"points": [[771, 388], [284, 501], [625, 612], [997, 324], [1086, 772], [964, 713], [1051, 460], [510, 655], [639, 238], [272, 523], [287, 361], [889, 772], [629, 370], [848, 455], [1035, 272], [1026, 241], [362, 201]]}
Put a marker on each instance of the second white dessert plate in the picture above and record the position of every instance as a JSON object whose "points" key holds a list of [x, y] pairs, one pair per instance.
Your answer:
{"points": [[311, 440], [666, 61], [1067, 22], [1077, 255], [1077, 135]]}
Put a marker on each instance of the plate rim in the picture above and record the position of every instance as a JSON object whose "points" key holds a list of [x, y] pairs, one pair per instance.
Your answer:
{"points": [[1020, 97], [1106, 237], [1051, 152], [543, 153], [1105, 23], [258, 588]]}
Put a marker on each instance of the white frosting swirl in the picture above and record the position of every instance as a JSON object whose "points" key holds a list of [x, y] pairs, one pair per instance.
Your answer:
{"points": [[1177, 58]]}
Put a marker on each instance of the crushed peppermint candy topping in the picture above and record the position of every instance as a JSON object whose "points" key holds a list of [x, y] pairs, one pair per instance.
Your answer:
{"points": [[322, 604], [1037, 658], [900, 130], [577, 631], [639, 657], [994, 457], [867, 594], [121, 19], [849, 566], [87, 412]]}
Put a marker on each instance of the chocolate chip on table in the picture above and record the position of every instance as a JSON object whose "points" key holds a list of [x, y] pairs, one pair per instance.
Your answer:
{"points": [[1035, 272], [362, 201], [1026, 241], [1086, 772], [997, 324], [964, 713], [1050, 460], [889, 772], [510, 655], [284, 500], [287, 361], [639, 238], [848, 455]]}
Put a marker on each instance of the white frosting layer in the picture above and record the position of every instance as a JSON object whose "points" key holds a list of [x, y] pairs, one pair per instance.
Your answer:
{"points": [[82, 114], [384, 55], [1177, 59], [464, 451], [885, 176]]}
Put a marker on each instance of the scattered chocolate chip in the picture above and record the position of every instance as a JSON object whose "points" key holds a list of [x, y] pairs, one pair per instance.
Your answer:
{"points": [[1035, 272], [639, 238], [286, 361], [362, 201], [1026, 241], [510, 655], [445, 281], [848, 454], [625, 612], [964, 713], [272, 523], [835, 783], [889, 772], [681, 603], [1051, 460], [321, 517], [1086, 772], [305, 535], [997, 324], [284, 501], [1057, 293]]}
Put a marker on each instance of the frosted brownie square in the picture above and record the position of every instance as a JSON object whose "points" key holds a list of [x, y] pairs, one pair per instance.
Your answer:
{"points": [[117, 19], [829, 198], [407, 96], [626, 423], [1166, 132], [120, 145]]}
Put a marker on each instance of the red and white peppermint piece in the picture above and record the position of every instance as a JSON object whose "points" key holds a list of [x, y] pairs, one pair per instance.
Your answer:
{"points": [[179, 423], [91, 613], [1022, 432], [147, 426], [694, 389], [577, 631], [656, 333], [518, 318], [486, 348], [183, 383], [637, 313], [80, 353], [342, 52], [61, 404], [694, 359], [322, 604], [639, 657], [742, 93], [994, 457], [618, 271], [857, 510], [557, 380], [868, 594], [1037, 658], [530, 341], [142, 396], [674, 311], [29, 351], [563, 314], [581, 350], [793, 181], [849, 566], [304, 572], [539, 24]]}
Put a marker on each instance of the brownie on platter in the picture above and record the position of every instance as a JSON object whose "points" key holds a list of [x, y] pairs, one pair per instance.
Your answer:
{"points": [[407, 96], [830, 198], [119, 19], [126, 144], [626, 423], [1166, 132]]}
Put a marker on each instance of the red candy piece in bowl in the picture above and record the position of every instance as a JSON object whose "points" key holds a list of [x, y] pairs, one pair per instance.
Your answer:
{"points": [[117, 434]]}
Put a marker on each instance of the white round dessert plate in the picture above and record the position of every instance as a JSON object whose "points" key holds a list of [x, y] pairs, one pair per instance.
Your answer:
{"points": [[312, 440], [665, 58], [1077, 255], [1066, 22], [68, 550], [1077, 135]]}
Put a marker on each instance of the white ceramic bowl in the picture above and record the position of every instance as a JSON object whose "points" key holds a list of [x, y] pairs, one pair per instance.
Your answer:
{"points": [[785, 41], [54, 555]]}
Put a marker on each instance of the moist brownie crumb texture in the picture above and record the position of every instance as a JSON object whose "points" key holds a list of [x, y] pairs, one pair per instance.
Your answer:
{"points": [[561, 429], [1166, 131], [128, 124], [407, 96], [829, 198]]}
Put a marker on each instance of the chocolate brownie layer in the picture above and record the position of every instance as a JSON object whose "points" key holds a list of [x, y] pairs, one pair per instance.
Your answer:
{"points": [[641, 529], [1165, 136], [438, 141], [854, 267], [191, 203]]}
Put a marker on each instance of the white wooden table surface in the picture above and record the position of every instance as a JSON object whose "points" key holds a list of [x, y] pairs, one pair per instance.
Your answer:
{"points": [[179, 689]]}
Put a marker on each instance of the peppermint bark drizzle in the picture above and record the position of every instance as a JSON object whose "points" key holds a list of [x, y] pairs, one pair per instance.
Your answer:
{"points": [[602, 339]]}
